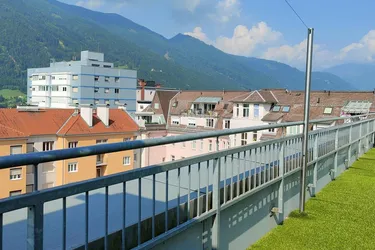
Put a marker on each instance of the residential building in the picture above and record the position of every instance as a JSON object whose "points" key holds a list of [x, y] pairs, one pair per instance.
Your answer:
{"points": [[27, 130], [146, 91], [88, 81]]}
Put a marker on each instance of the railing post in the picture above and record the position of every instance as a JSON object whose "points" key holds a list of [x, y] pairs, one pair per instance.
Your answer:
{"points": [[350, 145], [216, 201], [281, 187], [35, 221], [334, 174], [315, 169], [360, 140]]}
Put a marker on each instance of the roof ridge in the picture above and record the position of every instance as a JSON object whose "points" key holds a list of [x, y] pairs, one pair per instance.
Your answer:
{"points": [[66, 132], [18, 131], [274, 96], [260, 96], [244, 93], [62, 126], [249, 95]]}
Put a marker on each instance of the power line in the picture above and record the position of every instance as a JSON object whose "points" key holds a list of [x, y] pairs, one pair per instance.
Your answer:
{"points": [[295, 12]]}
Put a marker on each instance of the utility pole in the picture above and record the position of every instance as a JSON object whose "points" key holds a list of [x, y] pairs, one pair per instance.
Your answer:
{"points": [[310, 34]]}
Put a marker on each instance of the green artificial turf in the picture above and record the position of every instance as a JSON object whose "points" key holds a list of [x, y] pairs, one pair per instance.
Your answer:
{"points": [[341, 216]]}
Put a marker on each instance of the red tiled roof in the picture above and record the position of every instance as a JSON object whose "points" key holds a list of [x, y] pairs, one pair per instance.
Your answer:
{"points": [[15, 123]]}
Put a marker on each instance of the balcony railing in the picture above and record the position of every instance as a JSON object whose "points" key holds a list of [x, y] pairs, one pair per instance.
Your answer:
{"points": [[194, 189]]}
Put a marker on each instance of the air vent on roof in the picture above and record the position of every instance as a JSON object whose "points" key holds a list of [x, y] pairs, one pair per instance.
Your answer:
{"points": [[28, 108]]}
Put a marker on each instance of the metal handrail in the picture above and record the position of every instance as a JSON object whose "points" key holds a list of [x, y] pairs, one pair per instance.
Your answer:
{"points": [[63, 154]]}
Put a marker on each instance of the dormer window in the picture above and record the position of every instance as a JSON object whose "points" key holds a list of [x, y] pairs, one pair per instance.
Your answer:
{"points": [[327, 111], [276, 108], [286, 109]]}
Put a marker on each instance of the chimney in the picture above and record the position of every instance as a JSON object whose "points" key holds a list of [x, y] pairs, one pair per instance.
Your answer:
{"points": [[142, 83], [318, 100], [329, 92], [86, 114], [103, 114]]}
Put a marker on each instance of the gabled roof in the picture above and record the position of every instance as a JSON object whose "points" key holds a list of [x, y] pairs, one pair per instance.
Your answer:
{"points": [[261, 96], [163, 98]]}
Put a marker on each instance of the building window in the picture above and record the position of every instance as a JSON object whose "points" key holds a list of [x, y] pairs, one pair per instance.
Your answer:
{"points": [[237, 110], [35, 78], [64, 89], [15, 173], [135, 157], [156, 105], [126, 160], [54, 88], [29, 147], [210, 123], [106, 78], [117, 91], [96, 90], [75, 89], [255, 136], [243, 139], [286, 109], [106, 90], [175, 121], [15, 150], [272, 130], [99, 159], [73, 167], [106, 101], [327, 111], [246, 110], [29, 188], [75, 77], [42, 88], [202, 144], [96, 78], [209, 145], [42, 77], [276, 108], [227, 124], [107, 66], [194, 145], [256, 110], [117, 79], [47, 145], [95, 65], [72, 144], [101, 141], [96, 101], [191, 123], [15, 193], [184, 144], [117, 102], [173, 158]]}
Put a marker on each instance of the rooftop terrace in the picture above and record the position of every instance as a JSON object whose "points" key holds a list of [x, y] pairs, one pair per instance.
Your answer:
{"points": [[339, 217]]}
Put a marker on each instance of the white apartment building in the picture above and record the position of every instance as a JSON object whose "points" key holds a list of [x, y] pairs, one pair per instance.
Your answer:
{"points": [[88, 81]]}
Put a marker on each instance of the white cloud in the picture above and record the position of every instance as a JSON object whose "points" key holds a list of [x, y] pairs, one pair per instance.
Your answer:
{"points": [[244, 40], [199, 34], [362, 51], [226, 10], [191, 5]]}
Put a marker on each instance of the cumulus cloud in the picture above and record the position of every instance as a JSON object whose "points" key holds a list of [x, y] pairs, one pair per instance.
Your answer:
{"points": [[362, 51], [225, 10], [199, 34], [191, 5], [244, 40]]}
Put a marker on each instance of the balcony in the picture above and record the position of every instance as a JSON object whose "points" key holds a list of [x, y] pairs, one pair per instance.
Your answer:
{"points": [[199, 113], [227, 199]]}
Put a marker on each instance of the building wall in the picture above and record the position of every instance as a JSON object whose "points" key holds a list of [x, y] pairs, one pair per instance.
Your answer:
{"points": [[8, 185]]}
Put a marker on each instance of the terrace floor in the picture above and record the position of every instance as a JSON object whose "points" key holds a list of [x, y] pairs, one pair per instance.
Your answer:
{"points": [[341, 216]]}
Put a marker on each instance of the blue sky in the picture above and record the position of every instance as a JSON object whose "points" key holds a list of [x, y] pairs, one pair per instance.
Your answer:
{"points": [[344, 30]]}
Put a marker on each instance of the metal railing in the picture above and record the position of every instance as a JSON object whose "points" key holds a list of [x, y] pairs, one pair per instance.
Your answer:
{"points": [[193, 189]]}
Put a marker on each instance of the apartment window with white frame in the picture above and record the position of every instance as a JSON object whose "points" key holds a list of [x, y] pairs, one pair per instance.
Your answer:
{"points": [[227, 124], [64, 89], [15, 174], [246, 110], [237, 110], [156, 105], [96, 78], [175, 121], [202, 145], [72, 167], [47, 145], [54, 88], [271, 130], [15, 150], [210, 123], [117, 79], [15, 193], [194, 145], [243, 139], [72, 144], [75, 89], [210, 145], [106, 79], [117, 91], [96, 90], [75, 77], [126, 161], [106, 90]]}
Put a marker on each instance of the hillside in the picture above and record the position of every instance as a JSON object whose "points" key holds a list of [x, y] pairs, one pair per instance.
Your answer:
{"points": [[181, 62], [360, 75]]}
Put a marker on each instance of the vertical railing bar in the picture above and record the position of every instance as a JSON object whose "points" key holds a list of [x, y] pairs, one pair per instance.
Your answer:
{"points": [[264, 155], [244, 173], [86, 220], [208, 184], [123, 235], [153, 204], [238, 174], [232, 180], [64, 223], [189, 191], [139, 209], [166, 200], [269, 162], [178, 195], [225, 179], [106, 219], [249, 167], [199, 189]]}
